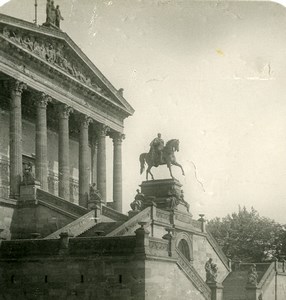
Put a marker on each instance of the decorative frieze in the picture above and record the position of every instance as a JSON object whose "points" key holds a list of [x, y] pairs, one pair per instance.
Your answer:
{"points": [[52, 52]]}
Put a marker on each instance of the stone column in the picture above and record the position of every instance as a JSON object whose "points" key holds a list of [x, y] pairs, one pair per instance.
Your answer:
{"points": [[117, 170], [41, 168], [84, 168], [64, 168], [17, 89], [101, 160], [94, 146]]}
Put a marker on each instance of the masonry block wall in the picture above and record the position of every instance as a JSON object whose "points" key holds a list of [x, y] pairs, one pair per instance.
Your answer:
{"points": [[84, 269], [164, 280]]}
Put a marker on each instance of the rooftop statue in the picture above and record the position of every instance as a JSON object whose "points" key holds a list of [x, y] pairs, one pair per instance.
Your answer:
{"points": [[53, 14], [160, 155]]}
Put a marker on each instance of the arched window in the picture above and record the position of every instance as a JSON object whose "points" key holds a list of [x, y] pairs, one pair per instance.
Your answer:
{"points": [[184, 249]]}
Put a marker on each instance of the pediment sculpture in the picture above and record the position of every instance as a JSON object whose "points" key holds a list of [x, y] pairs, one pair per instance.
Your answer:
{"points": [[52, 52]]}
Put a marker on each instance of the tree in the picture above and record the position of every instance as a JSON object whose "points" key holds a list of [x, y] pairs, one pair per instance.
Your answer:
{"points": [[247, 237]]}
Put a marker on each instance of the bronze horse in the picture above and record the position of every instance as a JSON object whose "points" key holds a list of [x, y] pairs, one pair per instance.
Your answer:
{"points": [[169, 159]]}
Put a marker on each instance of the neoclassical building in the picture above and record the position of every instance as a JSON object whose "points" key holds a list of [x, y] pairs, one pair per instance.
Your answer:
{"points": [[57, 110], [57, 240]]}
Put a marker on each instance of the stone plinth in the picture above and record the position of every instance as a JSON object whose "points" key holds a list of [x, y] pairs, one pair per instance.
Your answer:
{"points": [[165, 193], [217, 290], [28, 191], [160, 188]]}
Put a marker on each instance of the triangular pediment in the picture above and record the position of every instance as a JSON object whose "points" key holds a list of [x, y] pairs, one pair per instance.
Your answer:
{"points": [[56, 48]]}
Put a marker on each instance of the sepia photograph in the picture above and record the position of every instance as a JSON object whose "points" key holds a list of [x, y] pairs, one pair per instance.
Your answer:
{"points": [[142, 150]]}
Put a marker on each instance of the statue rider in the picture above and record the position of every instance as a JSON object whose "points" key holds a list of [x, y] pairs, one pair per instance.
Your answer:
{"points": [[157, 146]]}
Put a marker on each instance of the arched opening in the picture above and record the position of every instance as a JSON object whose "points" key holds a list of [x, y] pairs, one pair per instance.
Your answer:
{"points": [[184, 249]]}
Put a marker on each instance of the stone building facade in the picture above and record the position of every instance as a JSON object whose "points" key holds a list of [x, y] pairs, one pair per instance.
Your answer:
{"points": [[57, 240]]}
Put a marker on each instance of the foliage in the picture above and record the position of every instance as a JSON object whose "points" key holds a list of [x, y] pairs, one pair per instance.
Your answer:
{"points": [[248, 237]]}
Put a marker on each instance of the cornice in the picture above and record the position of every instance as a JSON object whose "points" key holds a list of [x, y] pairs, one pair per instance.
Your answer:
{"points": [[58, 94], [87, 90]]}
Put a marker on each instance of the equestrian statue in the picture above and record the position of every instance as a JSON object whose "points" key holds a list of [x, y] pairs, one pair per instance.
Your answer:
{"points": [[160, 155]]}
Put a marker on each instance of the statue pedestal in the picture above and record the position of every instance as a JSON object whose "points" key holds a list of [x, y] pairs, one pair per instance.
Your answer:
{"points": [[217, 290], [28, 191], [160, 188], [165, 193]]}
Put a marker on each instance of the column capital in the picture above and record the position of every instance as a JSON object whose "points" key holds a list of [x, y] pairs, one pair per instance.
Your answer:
{"points": [[85, 121], [117, 137], [102, 130], [43, 100], [18, 87], [64, 111]]}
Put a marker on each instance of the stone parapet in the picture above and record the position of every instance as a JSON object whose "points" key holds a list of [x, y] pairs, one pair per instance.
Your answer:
{"points": [[19, 249]]}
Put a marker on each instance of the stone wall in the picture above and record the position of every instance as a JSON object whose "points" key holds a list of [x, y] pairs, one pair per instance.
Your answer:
{"points": [[202, 251], [164, 280], [108, 270]]}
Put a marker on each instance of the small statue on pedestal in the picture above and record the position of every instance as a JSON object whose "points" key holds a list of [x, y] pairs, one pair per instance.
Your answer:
{"points": [[28, 176], [53, 14], [211, 271], [137, 204], [252, 275]]}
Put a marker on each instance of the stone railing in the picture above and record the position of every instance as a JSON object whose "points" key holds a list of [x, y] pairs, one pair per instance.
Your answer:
{"points": [[18, 249], [193, 275], [162, 216], [158, 247], [218, 250], [113, 214], [60, 203], [129, 226], [102, 245], [76, 227], [269, 272], [183, 217], [197, 224]]}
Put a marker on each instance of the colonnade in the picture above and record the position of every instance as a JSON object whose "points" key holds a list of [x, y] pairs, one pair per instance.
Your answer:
{"points": [[98, 150]]}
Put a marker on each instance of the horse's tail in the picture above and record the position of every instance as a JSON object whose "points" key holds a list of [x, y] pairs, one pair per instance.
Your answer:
{"points": [[142, 162]]}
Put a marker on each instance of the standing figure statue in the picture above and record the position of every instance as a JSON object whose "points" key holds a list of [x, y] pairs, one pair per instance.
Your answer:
{"points": [[211, 271], [156, 150], [50, 12], [252, 275], [58, 16]]}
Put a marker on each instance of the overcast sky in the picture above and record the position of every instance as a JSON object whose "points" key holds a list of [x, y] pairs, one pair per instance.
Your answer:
{"points": [[212, 74]]}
